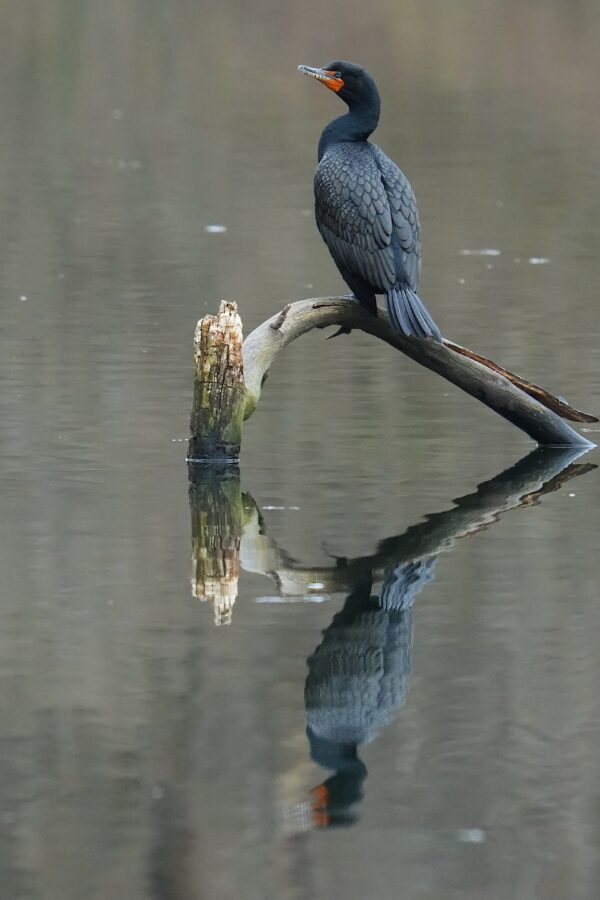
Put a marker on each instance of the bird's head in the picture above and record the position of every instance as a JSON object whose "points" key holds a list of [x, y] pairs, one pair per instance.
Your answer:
{"points": [[352, 83]]}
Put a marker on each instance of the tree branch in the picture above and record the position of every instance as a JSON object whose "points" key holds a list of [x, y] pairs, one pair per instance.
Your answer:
{"points": [[529, 407]]}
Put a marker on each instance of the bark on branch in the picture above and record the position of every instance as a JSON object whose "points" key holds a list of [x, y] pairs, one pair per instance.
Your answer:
{"points": [[531, 408]]}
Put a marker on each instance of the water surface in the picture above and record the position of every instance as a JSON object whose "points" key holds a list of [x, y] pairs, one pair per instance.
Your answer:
{"points": [[146, 753]]}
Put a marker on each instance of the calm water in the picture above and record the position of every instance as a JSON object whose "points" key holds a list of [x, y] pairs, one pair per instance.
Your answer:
{"points": [[405, 702]]}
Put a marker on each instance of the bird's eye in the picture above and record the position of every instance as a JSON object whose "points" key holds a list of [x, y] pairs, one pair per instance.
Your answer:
{"points": [[338, 74]]}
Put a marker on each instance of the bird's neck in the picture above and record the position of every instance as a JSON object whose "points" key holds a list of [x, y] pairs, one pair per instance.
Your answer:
{"points": [[357, 125]]}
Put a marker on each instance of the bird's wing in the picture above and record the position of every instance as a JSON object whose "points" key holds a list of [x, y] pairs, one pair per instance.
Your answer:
{"points": [[405, 218], [354, 215]]}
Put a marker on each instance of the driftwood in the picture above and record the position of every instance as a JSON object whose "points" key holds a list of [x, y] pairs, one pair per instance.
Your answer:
{"points": [[229, 534], [227, 392]]}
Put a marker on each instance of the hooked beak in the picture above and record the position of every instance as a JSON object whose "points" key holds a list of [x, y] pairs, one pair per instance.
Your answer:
{"points": [[332, 80]]}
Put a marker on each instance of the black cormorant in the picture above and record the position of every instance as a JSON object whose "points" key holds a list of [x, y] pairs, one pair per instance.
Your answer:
{"points": [[365, 207]]}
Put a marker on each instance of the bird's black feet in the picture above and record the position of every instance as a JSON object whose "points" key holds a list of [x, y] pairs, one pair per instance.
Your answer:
{"points": [[342, 330]]}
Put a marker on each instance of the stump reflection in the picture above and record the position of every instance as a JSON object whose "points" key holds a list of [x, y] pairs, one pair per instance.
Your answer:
{"points": [[217, 514]]}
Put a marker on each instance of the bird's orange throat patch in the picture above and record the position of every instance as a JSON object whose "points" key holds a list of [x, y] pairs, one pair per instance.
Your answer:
{"points": [[333, 81]]}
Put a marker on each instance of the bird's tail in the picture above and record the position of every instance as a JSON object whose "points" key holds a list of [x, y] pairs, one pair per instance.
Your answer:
{"points": [[408, 314]]}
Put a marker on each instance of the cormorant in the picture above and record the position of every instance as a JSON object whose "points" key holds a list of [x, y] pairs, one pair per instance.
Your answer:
{"points": [[365, 207]]}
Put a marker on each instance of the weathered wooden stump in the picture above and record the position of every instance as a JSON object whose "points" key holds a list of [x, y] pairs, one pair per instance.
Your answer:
{"points": [[219, 391]]}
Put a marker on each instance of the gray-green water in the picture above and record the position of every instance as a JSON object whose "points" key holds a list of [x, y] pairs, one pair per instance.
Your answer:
{"points": [[145, 753]]}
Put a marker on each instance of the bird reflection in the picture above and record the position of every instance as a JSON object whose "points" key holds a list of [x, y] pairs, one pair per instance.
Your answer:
{"points": [[358, 676]]}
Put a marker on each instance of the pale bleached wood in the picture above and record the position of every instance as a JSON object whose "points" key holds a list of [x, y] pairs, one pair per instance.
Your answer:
{"points": [[492, 388]]}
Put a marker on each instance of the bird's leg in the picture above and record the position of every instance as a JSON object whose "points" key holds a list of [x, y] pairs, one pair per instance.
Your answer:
{"points": [[343, 330]]}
